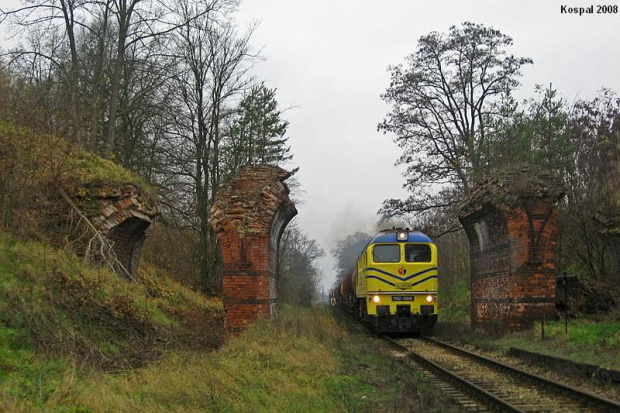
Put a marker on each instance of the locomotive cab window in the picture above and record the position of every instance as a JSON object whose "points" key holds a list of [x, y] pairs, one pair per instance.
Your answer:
{"points": [[386, 253], [417, 253]]}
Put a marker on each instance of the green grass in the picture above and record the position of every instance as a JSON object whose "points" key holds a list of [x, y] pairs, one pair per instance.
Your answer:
{"points": [[588, 341], [306, 361], [61, 319], [455, 303]]}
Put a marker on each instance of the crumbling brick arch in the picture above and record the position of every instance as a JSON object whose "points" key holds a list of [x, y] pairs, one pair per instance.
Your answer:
{"points": [[511, 225], [127, 239], [488, 230], [120, 214], [249, 215]]}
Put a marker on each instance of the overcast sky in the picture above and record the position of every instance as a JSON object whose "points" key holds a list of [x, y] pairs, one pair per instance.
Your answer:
{"points": [[328, 60]]}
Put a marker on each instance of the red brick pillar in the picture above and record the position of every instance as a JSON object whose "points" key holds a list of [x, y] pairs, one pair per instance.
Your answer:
{"points": [[511, 224], [248, 216], [609, 214]]}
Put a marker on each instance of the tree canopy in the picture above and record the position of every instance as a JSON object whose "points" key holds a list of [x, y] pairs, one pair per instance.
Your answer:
{"points": [[346, 252], [444, 101], [257, 135]]}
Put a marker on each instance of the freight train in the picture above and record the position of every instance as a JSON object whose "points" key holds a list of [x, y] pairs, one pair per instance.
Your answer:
{"points": [[393, 287]]}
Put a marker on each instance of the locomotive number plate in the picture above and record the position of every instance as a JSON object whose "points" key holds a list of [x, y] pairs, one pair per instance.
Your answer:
{"points": [[402, 298]]}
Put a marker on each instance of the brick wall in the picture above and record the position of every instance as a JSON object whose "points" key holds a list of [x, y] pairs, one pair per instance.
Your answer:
{"points": [[511, 225], [609, 215], [249, 216]]}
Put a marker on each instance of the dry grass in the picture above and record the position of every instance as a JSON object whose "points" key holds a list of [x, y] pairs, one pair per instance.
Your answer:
{"points": [[60, 318], [305, 361]]}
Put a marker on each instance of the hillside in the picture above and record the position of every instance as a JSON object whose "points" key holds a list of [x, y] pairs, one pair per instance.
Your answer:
{"points": [[77, 338], [61, 311]]}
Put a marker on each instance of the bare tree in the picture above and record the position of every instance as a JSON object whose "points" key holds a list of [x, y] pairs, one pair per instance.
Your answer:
{"points": [[442, 103], [214, 60], [299, 276], [56, 15], [347, 251]]}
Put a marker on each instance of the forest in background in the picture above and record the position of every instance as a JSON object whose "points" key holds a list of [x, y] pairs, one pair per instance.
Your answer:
{"points": [[165, 89]]}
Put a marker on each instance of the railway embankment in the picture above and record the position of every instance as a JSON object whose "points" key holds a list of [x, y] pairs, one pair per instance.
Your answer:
{"points": [[564, 365], [583, 345], [585, 353]]}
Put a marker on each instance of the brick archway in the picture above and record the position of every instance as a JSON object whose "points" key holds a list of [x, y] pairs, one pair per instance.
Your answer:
{"points": [[249, 216], [511, 225], [127, 239], [121, 214]]}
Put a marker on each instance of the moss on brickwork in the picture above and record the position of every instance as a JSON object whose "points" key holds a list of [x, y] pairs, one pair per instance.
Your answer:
{"points": [[35, 167], [509, 188]]}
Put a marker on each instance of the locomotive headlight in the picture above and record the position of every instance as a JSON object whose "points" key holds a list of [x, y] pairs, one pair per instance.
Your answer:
{"points": [[429, 298], [402, 235], [376, 299]]}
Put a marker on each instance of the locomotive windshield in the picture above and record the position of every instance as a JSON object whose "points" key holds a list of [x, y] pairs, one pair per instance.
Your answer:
{"points": [[417, 253], [386, 253]]}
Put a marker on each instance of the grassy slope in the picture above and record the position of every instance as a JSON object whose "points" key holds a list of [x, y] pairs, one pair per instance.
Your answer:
{"points": [[75, 338], [304, 362], [61, 319]]}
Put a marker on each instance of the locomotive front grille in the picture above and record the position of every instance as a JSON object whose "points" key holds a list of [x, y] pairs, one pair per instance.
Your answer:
{"points": [[383, 310], [427, 309], [403, 310]]}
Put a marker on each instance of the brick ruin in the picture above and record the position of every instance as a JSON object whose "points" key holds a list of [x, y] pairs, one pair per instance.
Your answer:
{"points": [[249, 215], [609, 215], [121, 214], [511, 225]]}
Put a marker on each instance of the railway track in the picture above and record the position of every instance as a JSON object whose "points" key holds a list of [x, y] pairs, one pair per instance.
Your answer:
{"points": [[482, 384]]}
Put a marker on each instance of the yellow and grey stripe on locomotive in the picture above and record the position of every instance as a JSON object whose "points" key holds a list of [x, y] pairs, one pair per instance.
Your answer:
{"points": [[395, 282]]}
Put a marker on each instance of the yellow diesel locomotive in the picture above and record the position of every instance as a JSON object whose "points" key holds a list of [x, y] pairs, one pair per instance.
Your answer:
{"points": [[393, 286]]}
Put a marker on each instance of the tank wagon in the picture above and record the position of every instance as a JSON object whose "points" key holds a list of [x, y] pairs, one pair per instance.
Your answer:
{"points": [[393, 286]]}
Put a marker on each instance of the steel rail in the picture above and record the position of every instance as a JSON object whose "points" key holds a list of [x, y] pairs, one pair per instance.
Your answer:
{"points": [[586, 397], [492, 401]]}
